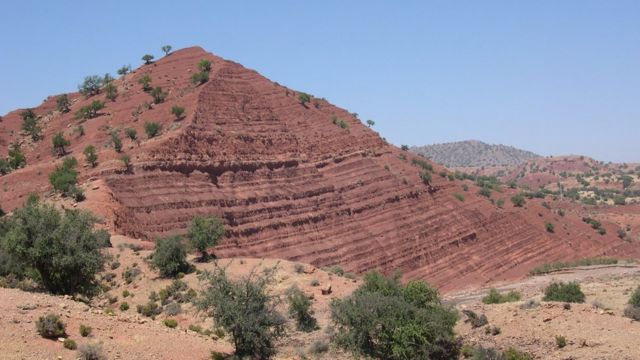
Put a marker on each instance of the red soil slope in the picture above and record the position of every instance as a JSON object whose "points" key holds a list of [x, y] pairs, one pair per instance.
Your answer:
{"points": [[287, 181]]}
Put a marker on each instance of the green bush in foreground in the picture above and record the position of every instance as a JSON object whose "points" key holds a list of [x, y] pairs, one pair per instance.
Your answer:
{"points": [[300, 310], [204, 233], [634, 300], [494, 297], [85, 330], [69, 344], [565, 292], [416, 325], [170, 256], [50, 326]]}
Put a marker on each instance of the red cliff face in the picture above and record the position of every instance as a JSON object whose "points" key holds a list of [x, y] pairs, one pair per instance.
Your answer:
{"points": [[288, 182]]}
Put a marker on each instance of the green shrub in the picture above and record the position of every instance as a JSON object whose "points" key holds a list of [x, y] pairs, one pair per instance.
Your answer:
{"points": [[62, 248], [91, 85], [50, 326], [425, 176], [91, 352], [632, 312], [170, 323], [172, 309], [90, 155], [634, 300], [90, 111], [513, 354], [111, 91], [555, 266], [200, 78], [170, 256], [204, 65], [411, 331], [85, 330], [152, 129], [30, 124], [336, 270], [474, 319], [204, 233], [145, 81], [147, 59], [158, 95], [561, 341], [16, 158], [549, 227], [124, 306], [124, 70], [150, 309], [458, 196], [304, 98], [300, 310], [69, 344], [314, 282], [318, 347], [564, 292], [245, 310], [64, 176], [59, 142], [63, 103], [131, 133], [494, 297], [195, 328], [404, 147], [125, 293], [177, 111], [518, 200]]}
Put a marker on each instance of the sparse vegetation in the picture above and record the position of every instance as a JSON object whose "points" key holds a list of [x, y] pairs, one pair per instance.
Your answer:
{"points": [[69, 344], [300, 310], [166, 49], [91, 85], [152, 129], [555, 266], [518, 200], [200, 78], [564, 292], [91, 352], [124, 70], [304, 98], [31, 124], [63, 103], [170, 323], [111, 91], [147, 59], [204, 233], [64, 177], [131, 133], [90, 155], [494, 297], [158, 95], [170, 256], [561, 341], [145, 81], [549, 227], [90, 111], [59, 143], [116, 141], [85, 330], [177, 111], [50, 326]]}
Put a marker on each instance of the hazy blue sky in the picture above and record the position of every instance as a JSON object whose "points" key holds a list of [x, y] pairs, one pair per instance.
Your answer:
{"points": [[554, 77]]}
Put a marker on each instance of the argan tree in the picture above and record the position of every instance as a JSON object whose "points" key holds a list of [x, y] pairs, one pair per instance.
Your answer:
{"points": [[304, 98], [63, 103], [158, 95], [152, 129], [166, 49], [111, 91], [124, 70], [145, 81], [177, 111], [170, 256], [147, 59], [90, 111], [370, 123], [59, 143], [90, 155], [204, 65], [115, 140], [16, 158], [205, 233], [91, 85], [30, 124]]}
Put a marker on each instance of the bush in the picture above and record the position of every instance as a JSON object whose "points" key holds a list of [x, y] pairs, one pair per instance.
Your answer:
{"points": [[50, 326], [62, 248], [561, 341], [151, 309], [131, 133], [111, 91], [204, 65], [200, 78], [91, 85], [124, 70], [564, 292], [124, 306], [177, 111], [513, 354], [170, 323], [425, 176], [90, 155], [166, 49], [634, 300], [145, 81], [632, 312], [549, 227], [59, 142], [411, 331], [85, 330], [172, 309], [518, 200], [204, 233], [304, 98], [170, 256], [458, 196], [126, 161], [91, 352], [30, 124], [475, 320], [147, 59], [158, 95], [64, 177], [314, 282], [300, 310], [494, 297], [16, 158], [555, 266], [63, 103], [485, 191], [318, 347], [90, 111], [245, 310], [69, 344], [152, 129]]}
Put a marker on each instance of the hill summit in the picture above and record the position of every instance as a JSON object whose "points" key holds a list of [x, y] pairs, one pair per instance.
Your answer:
{"points": [[474, 153]]}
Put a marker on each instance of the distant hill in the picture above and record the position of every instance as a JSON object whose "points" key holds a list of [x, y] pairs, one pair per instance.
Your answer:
{"points": [[473, 153]]}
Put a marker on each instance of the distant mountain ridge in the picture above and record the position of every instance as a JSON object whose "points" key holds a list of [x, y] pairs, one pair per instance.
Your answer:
{"points": [[474, 153]]}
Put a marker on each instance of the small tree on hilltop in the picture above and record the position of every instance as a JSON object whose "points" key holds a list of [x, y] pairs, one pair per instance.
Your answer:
{"points": [[370, 123], [90, 111], [177, 111], [145, 81], [158, 95], [147, 59], [245, 310], [304, 98], [90, 155], [205, 233], [59, 143], [166, 49], [124, 70], [170, 257], [63, 103], [91, 85], [204, 65]]}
